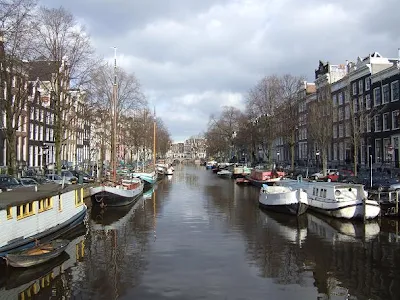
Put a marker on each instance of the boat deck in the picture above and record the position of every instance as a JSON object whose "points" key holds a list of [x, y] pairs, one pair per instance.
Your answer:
{"points": [[28, 194]]}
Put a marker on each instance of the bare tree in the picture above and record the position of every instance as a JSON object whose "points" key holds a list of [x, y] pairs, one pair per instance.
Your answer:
{"points": [[288, 110], [222, 131], [163, 138], [320, 123], [64, 44], [261, 104], [14, 49]]}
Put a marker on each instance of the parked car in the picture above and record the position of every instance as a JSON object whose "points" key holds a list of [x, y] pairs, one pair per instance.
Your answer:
{"points": [[381, 181], [86, 177], [8, 183], [69, 177], [27, 181], [340, 175], [56, 178], [39, 179]]}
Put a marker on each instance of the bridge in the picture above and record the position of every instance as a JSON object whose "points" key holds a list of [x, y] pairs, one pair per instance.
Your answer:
{"points": [[182, 160]]}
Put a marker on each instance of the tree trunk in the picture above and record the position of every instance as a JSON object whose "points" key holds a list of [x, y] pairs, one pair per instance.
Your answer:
{"points": [[58, 142], [11, 151], [324, 156], [355, 159], [292, 144]]}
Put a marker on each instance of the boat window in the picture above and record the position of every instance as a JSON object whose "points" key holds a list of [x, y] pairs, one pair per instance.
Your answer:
{"points": [[321, 193], [324, 193], [45, 204], [9, 213], [25, 210], [78, 197]]}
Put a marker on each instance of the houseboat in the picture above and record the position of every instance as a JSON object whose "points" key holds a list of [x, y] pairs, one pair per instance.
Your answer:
{"points": [[339, 200], [241, 171], [28, 216], [283, 199], [259, 177]]}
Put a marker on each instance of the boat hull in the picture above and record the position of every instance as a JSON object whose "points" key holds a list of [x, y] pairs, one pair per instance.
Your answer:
{"points": [[24, 260], [47, 235], [291, 202], [112, 196], [351, 210], [259, 183]]}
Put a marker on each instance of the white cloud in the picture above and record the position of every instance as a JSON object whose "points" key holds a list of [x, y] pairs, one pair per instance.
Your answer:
{"points": [[193, 57]]}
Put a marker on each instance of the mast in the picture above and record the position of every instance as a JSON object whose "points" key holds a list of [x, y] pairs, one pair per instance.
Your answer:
{"points": [[114, 126], [154, 138]]}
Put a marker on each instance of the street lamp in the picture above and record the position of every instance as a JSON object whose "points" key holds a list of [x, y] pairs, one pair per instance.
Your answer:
{"points": [[277, 153], [317, 158]]}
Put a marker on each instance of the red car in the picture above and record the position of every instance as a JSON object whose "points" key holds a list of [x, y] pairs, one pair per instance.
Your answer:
{"points": [[340, 174]]}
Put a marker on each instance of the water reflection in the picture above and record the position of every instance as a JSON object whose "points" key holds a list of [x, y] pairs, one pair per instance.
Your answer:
{"points": [[333, 229], [51, 279]]}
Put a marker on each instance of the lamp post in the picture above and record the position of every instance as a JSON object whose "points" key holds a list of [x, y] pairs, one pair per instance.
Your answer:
{"points": [[277, 154], [317, 158]]}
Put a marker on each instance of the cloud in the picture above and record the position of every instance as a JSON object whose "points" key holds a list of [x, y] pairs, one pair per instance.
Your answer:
{"points": [[193, 57]]}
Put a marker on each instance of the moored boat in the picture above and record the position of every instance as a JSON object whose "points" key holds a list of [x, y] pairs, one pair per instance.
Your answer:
{"points": [[224, 173], [112, 194], [260, 177], [149, 178], [26, 216], [339, 200], [283, 199], [36, 255]]}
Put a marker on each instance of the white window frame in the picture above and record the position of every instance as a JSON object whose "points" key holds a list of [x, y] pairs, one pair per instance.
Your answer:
{"points": [[355, 105], [340, 98], [378, 158], [334, 100], [377, 122], [368, 121], [383, 99], [360, 87], [354, 88], [387, 122], [367, 101], [347, 112], [395, 114], [391, 91], [380, 94], [341, 129], [335, 133], [367, 83]]}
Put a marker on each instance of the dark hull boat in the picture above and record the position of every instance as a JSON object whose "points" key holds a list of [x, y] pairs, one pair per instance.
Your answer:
{"points": [[36, 255]]}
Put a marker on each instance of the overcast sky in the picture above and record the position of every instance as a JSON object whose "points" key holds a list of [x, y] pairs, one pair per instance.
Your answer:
{"points": [[194, 56]]}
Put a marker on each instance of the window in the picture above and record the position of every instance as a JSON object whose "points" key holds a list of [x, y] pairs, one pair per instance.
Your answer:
{"points": [[360, 103], [367, 83], [334, 151], [340, 95], [395, 119], [368, 101], [45, 204], [360, 86], [377, 96], [386, 143], [355, 105], [378, 150], [354, 88], [341, 114], [386, 123], [340, 130], [25, 210], [378, 124], [9, 213], [369, 123], [347, 112], [334, 131], [347, 128], [335, 115], [395, 90], [385, 92], [334, 99]]}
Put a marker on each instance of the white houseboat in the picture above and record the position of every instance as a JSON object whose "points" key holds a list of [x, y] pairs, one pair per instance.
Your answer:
{"points": [[340, 200], [28, 216], [283, 199]]}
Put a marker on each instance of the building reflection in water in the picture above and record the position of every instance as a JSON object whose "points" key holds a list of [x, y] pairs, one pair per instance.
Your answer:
{"points": [[51, 279]]}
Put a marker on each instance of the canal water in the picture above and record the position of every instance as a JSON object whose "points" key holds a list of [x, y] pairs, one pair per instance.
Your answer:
{"points": [[197, 236]]}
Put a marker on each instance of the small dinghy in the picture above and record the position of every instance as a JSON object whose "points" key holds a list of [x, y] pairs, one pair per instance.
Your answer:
{"points": [[36, 255]]}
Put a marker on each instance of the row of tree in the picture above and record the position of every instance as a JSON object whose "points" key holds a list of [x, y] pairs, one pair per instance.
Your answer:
{"points": [[30, 34], [272, 112]]}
